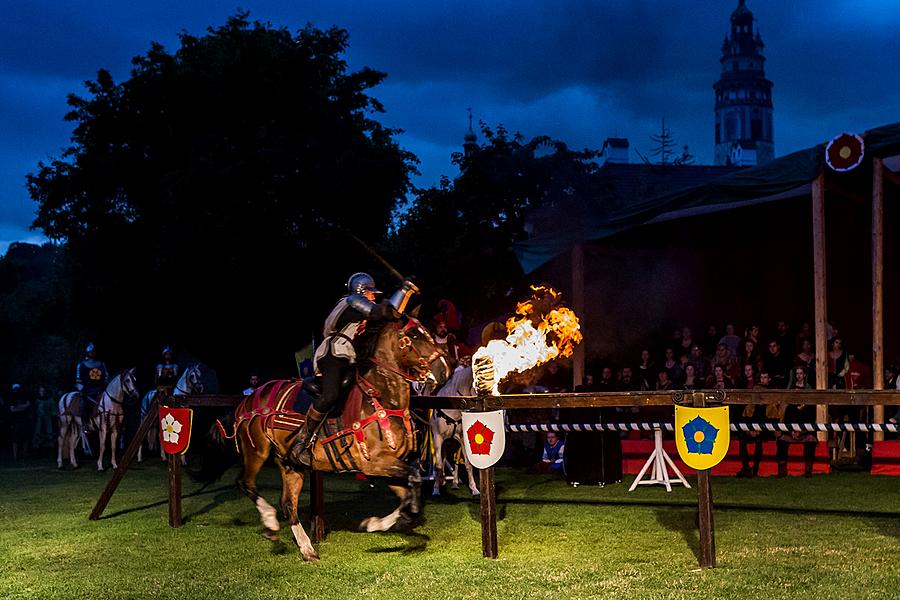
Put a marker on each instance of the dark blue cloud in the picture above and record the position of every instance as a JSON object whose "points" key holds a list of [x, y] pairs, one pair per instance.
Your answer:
{"points": [[579, 71]]}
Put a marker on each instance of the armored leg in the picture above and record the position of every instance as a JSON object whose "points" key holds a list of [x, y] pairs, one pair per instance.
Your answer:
{"points": [[333, 372]]}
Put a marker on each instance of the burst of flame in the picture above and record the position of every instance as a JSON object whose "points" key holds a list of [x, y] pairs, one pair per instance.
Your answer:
{"points": [[534, 337]]}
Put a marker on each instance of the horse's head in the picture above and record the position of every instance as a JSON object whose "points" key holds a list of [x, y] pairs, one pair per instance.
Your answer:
{"points": [[416, 352], [129, 383], [194, 380]]}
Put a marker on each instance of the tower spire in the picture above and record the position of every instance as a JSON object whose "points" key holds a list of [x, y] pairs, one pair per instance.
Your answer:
{"points": [[743, 96], [470, 141]]}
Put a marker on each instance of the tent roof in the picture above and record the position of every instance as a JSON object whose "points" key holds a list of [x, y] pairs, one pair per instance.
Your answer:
{"points": [[785, 177]]}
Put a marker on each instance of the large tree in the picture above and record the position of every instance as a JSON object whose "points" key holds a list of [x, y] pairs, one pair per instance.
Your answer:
{"points": [[198, 197]]}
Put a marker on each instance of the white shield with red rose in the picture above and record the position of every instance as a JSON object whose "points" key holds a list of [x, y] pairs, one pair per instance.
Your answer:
{"points": [[484, 437]]}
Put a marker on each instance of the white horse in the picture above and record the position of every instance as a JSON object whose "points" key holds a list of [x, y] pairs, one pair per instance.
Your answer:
{"points": [[447, 424], [107, 420], [190, 382]]}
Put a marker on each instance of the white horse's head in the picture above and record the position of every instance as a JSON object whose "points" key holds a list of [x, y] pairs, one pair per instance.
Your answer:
{"points": [[194, 380], [128, 381]]}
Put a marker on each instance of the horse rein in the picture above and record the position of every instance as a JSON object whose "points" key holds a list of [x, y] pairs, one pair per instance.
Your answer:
{"points": [[406, 344]]}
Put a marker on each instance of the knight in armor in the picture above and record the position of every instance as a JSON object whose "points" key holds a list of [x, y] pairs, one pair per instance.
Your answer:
{"points": [[91, 378], [166, 375], [336, 356]]}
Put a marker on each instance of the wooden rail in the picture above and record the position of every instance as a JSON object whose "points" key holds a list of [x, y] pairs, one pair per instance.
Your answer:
{"points": [[597, 400]]}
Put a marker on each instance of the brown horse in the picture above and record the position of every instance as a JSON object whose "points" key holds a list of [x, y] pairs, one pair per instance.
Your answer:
{"points": [[374, 435]]}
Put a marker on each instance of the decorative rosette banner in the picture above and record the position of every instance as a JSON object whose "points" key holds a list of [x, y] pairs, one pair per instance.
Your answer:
{"points": [[845, 152], [485, 437], [702, 435], [175, 429]]}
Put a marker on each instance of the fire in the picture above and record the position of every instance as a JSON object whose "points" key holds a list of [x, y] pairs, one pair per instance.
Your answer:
{"points": [[542, 331]]}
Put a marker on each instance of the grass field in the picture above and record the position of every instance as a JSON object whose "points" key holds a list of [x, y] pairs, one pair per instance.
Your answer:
{"points": [[835, 536]]}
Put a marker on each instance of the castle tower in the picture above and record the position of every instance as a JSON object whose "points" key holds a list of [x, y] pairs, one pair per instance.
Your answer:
{"points": [[743, 97], [470, 141]]}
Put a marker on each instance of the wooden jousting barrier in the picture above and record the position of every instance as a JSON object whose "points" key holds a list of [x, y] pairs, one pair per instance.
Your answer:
{"points": [[705, 505]]}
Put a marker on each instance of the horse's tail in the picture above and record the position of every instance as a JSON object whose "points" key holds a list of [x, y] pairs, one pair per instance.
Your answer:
{"points": [[218, 453]]}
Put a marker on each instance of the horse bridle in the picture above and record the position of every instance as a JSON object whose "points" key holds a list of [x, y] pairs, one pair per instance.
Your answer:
{"points": [[131, 394], [186, 392], [406, 346]]}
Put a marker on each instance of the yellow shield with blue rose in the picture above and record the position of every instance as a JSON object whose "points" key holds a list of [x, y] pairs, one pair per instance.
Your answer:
{"points": [[702, 435]]}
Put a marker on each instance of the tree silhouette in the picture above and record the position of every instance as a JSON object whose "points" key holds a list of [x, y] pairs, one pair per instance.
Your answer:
{"points": [[198, 193]]}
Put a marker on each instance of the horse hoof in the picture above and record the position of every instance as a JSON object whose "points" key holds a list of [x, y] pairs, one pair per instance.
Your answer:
{"points": [[476, 493], [436, 493], [368, 525], [455, 486], [312, 557], [270, 534]]}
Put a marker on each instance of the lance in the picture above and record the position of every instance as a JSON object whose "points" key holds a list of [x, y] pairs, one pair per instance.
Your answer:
{"points": [[401, 297]]}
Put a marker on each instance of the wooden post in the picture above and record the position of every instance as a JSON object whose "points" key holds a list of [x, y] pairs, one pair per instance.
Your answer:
{"points": [[317, 506], [174, 490], [877, 286], [705, 508], [488, 514], [578, 307], [820, 299], [130, 453]]}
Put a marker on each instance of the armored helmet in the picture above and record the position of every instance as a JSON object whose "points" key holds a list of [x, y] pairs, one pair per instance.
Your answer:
{"points": [[90, 347], [360, 283]]}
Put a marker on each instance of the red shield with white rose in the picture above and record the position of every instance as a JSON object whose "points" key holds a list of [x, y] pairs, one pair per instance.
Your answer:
{"points": [[175, 429], [484, 437]]}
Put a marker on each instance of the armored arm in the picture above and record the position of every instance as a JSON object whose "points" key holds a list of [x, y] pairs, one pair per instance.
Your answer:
{"points": [[79, 385]]}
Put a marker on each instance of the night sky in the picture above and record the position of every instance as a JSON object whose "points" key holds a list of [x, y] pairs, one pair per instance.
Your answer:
{"points": [[579, 71]]}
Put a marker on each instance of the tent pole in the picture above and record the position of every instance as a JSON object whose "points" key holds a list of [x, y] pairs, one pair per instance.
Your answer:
{"points": [[877, 286], [821, 311], [578, 307]]}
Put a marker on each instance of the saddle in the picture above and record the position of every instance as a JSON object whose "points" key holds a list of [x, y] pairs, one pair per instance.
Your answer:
{"points": [[312, 388]]}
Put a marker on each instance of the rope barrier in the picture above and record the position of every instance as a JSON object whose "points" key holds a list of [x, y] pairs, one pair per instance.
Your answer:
{"points": [[781, 427]]}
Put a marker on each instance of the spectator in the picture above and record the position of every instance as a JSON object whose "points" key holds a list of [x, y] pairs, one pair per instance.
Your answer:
{"points": [[627, 382], [254, 383], [606, 383], [776, 366], [691, 380], [730, 340], [805, 333], [662, 380], [699, 362], [807, 359], [710, 342], [752, 334], [673, 367], [752, 413], [804, 413], [587, 384], [838, 364], [19, 421], [553, 457], [782, 336], [748, 378], [749, 353], [726, 359], [44, 419], [646, 371], [687, 340], [718, 380]]}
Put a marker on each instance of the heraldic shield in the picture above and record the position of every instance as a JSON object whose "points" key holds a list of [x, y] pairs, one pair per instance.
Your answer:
{"points": [[484, 437], [702, 435], [175, 429]]}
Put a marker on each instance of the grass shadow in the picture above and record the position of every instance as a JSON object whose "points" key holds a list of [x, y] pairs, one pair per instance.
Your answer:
{"points": [[414, 543], [126, 511], [682, 521]]}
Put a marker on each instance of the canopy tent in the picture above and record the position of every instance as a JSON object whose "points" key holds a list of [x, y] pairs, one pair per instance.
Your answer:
{"points": [[785, 177]]}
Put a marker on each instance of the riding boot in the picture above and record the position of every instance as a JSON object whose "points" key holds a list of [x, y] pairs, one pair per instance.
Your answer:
{"points": [[301, 450]]}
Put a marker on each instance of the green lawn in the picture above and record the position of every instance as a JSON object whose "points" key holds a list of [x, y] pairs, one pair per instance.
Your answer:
{"points": [[835, 536]]}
